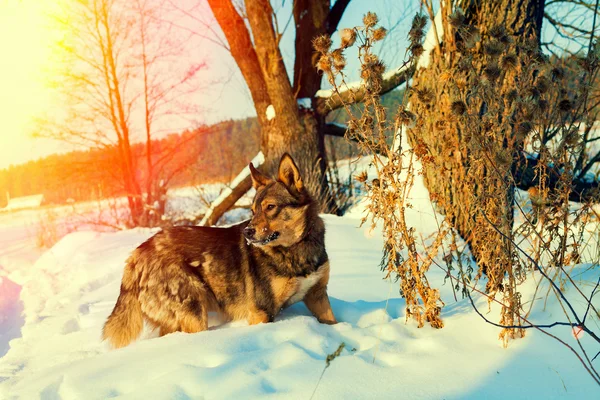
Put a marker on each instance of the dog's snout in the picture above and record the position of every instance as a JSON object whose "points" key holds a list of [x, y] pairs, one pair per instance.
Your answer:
{"points": [[249, 232]]}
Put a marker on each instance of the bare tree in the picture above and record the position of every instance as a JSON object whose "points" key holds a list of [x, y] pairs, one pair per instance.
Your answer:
{"points": [[121, 84], [291, 111]]}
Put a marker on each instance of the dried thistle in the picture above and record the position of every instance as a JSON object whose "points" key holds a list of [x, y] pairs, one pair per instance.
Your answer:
{"points": [[508, 62], [419, 22], [572, 138], [324, 63], [365, 72], [528, 110], [370, 19], [533, 93], [542, 105], [497, 31], [379, 34], [557, 74], [493, 48], [425, 95], [406, 118], [381, 114], [322, 43], [362, 177], [465, 64], [370, 58], [378, 67], [586, 63], [348, 37], [565, 105], [523, 129], [339, 61], [512, 95], [471, 37], [458, 107], [416, 35], [445, 76], [542, 84], [416, 49], [536, 198], [457, 18], [503, 158], [352, 126], [460, 82], [492, 71], [366, 122]]}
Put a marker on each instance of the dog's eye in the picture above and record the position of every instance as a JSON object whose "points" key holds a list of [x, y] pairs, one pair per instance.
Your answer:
{"points": [[270, 207]]}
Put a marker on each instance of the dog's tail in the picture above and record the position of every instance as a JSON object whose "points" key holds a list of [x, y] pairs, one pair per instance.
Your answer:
{"points": [[126, 320]]}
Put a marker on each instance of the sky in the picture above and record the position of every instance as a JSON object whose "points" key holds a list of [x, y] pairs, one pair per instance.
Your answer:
{"points": [[28, 65], [28, 37], [24, 50]]}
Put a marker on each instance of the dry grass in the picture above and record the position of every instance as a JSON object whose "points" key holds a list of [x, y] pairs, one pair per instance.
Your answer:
{"points": [[388, 194], [489, 100]]}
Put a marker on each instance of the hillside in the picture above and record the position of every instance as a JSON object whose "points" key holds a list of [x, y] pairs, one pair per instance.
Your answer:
{"points": [[207, 154]]}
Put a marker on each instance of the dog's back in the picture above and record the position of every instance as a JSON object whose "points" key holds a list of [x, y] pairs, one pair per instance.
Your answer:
{"points": [[165, 281]]}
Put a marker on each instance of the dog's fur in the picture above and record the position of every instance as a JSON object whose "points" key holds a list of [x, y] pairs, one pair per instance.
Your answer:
{"points": [[247, 271]]}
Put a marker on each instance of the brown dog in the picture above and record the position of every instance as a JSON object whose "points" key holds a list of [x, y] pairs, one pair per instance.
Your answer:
{"points": [[247, 271]]}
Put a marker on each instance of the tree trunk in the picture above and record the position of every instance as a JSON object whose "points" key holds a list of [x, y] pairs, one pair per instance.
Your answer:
{"points": [[461, 168], [313, 18], [292, 133], [291, 130], [117, 105]]}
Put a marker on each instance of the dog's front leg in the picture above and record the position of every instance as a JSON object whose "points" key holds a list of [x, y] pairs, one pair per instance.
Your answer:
{"points": [[258, 317], [317, 302]]}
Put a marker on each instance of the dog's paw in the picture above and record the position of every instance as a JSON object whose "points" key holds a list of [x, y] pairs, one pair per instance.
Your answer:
{"points": [[328, 321]]}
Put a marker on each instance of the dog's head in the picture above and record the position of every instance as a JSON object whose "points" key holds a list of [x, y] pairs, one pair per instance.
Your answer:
{"points": [[280, 207]]}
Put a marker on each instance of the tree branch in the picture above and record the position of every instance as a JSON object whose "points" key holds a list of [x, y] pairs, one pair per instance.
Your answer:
{"points": [[527, 176], [239, 186], [334, 129], [558, 25], [335, 15], [242, 50], [339, 130], [329, 100], [310, 18]]}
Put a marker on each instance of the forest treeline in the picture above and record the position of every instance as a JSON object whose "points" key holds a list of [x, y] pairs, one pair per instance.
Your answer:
{"points": [[214, 153], [206, 154]]}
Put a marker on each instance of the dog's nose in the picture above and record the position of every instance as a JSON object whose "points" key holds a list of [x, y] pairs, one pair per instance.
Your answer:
{"points": [[249, 232]]}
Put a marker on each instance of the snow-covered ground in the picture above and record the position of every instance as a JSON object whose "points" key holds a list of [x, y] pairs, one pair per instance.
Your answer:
{"points": [[52, 309]]}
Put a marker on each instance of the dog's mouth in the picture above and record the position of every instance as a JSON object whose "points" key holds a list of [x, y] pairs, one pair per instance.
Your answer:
{"points": [[262, 242]]}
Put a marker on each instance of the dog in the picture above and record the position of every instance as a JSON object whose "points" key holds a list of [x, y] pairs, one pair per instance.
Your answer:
{"points": [[250, 271]]}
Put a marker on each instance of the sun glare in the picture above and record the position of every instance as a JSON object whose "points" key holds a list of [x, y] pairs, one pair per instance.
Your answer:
{"points": [[26, 41]]}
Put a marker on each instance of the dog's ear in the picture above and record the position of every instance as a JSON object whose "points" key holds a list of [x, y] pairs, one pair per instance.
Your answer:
{"points": [[289, 174], [258, 179]]}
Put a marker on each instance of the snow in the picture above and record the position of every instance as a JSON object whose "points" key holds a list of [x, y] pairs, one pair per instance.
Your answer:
{"points": [[11, 310], [327, 93], [339, 125], [52, 317], [305, 102], [17, 203], [430, 41], [270, 112]]}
